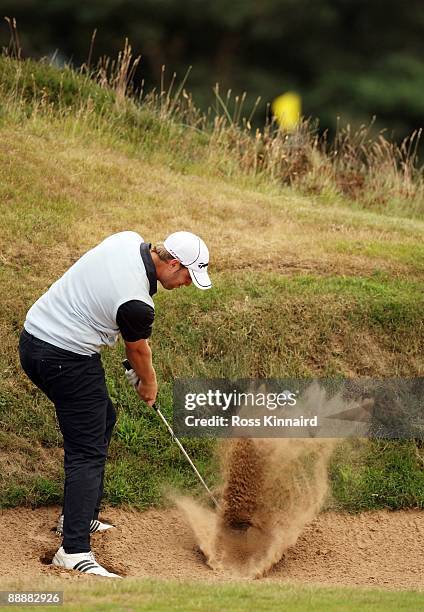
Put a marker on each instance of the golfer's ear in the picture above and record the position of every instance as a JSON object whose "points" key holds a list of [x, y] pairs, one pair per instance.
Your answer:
{"points": [[174, 263]]}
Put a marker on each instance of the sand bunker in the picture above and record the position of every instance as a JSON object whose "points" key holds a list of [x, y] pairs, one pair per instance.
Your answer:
{"points": [[381, 548]]}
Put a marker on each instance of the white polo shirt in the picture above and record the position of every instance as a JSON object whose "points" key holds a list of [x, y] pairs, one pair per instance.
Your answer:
{"points": [[78, 312]]}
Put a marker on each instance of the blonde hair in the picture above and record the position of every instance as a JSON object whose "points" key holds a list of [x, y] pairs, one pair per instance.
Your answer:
{"points": [[161, 252]]}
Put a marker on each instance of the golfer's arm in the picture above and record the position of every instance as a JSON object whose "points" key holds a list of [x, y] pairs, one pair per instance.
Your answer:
{"points": [[139, 355]]}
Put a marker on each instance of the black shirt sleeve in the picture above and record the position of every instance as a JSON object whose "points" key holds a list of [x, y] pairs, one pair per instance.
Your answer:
{"points": [[135, 319]]}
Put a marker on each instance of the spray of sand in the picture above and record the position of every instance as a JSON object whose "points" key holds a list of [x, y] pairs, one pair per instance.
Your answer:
{"points": [[272, 488]]}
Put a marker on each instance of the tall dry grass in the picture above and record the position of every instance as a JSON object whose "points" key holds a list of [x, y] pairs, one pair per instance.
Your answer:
{"points": [[356, 165]]}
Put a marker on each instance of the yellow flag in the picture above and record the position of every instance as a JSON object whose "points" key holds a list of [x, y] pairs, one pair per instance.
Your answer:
{"points": [[286, 109]]}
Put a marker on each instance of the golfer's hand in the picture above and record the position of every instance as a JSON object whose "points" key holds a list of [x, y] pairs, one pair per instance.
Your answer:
{"points": [[148, 392], [131, 377]]}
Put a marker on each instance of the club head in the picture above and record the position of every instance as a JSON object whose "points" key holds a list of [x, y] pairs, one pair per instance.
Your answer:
{"points": [[239, 525]]}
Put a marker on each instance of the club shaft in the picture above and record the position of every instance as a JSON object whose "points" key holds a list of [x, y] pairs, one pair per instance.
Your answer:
{"points": [[127, 366], [196, 471]]}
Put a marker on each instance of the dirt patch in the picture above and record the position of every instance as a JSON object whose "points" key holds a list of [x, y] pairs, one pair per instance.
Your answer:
{"points": [[384, 549], [324, 265]]}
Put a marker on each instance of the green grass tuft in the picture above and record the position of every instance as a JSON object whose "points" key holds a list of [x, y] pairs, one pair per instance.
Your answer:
{"points": [[378, 474], [39, 82]]}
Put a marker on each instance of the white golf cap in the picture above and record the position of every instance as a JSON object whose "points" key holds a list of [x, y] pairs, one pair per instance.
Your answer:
{"points": [[193, 253]]}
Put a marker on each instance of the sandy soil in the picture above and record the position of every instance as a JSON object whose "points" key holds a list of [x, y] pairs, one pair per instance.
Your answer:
{"points": [[384, 549]]}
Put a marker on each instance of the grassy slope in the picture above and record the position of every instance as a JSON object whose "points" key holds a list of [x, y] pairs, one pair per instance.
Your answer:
{"points": [[301, 287]]}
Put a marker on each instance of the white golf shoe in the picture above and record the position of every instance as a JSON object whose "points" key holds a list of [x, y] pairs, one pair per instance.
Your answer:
{"points": [[95, 526], [82, 562]]}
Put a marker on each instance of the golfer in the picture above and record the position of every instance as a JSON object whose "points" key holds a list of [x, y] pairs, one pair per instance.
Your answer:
{"points": [[107, 292]]}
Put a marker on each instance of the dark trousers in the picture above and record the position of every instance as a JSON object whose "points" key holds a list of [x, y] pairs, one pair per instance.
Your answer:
{"points": [[76, 385]]}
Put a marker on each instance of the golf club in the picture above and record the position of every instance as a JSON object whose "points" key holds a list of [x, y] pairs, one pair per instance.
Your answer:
{"points": [[128, 366]]}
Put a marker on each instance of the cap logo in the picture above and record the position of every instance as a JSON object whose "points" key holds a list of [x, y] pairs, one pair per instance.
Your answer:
{"points": [[202, 265]]}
